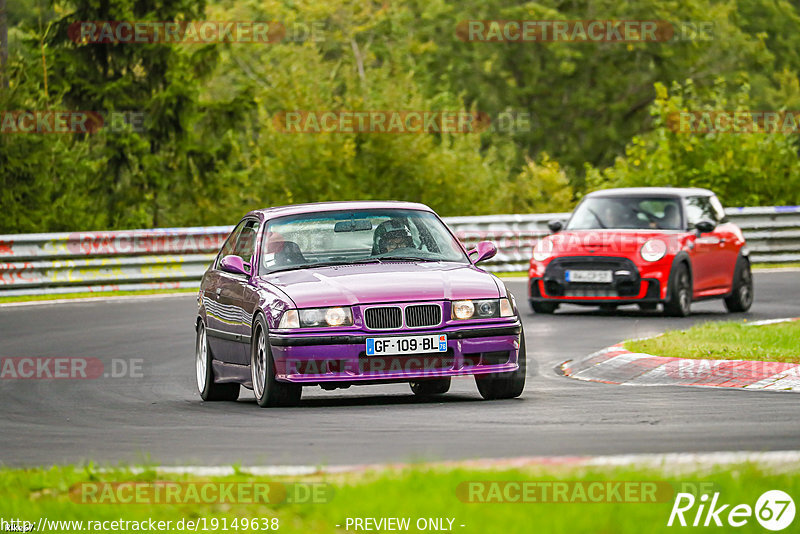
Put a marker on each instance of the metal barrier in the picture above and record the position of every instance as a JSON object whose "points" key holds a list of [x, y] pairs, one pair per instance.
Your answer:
{"points": [[33, 264]]}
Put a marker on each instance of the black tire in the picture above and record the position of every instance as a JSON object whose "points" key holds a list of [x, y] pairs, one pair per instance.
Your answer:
{"points": [[679, 302], [741, 297], [427, 387], [267, 390], [209, 390], [546, 308], [504, 385], [648, 306]]}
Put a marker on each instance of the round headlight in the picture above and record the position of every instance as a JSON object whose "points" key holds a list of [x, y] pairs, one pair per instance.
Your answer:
{"points": [[543, 249], [487, 308], [335, 316], [463, 309], [653, 250]]}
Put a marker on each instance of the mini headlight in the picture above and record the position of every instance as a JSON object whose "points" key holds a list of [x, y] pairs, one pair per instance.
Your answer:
{"points": [[543, 249], [653, 250], [463, 309], [290, 319], [337, 316]]}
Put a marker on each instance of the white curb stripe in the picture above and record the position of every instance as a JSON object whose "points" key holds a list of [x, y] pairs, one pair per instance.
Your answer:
{"points": [[667, 461]]}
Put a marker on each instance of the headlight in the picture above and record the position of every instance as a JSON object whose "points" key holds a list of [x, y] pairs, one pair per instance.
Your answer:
{"points": [[463, 309], [543, 249], [653, 250], [482, 309], [312, 317]]}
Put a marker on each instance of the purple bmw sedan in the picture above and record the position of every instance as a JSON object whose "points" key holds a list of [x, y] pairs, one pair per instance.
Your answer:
{"points": [[342, 293]]}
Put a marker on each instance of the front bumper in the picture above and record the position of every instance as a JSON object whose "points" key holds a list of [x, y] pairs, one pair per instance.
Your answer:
{"points": [[629, 283], [318, 358]]}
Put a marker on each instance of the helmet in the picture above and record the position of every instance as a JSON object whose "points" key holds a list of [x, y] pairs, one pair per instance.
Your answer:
{"points": [[394, 234]]}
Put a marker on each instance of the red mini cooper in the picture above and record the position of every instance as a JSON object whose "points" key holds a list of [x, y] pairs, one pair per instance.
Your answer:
{"points": [[645, 246]]}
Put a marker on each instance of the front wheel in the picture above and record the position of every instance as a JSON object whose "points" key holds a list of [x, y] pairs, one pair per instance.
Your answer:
{"points": [[504, 385], [679, 303], [543, 307], [741, 297], [266, 388], [210, 390]]}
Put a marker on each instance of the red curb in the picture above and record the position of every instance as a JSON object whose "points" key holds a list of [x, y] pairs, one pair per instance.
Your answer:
{"points": [[616, 365]]}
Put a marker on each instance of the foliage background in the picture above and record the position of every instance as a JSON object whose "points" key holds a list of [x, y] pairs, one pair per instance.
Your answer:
{"points": [[210, 151]]}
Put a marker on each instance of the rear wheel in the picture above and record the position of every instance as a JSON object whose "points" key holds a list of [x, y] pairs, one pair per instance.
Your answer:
{"points": [[504, 385], [430, 386], [210, 390], [742, 293], [679, 303], [543, 307], [267, 390]]}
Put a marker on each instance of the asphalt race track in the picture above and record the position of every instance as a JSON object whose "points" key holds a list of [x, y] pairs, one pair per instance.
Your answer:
{"points": [[159, 416]]}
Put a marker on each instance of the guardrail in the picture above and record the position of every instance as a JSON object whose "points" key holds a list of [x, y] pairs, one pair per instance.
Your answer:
{"points": [[33, 264]]}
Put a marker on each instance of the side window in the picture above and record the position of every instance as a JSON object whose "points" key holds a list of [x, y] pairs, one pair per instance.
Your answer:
{"points": [[718, 209], [698, 209], [246, 242], [227, 247]]}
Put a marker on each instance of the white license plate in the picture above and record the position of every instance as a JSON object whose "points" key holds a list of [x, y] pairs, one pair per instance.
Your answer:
{"points": [[377, 346], [602, 277]]}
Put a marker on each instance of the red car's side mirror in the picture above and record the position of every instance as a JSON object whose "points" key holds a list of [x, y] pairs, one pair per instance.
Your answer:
{"points": [[235, 265]]}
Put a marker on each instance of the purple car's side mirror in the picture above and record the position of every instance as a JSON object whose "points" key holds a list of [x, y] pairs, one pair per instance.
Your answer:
{"points": [[483, 251], [235, 265]]}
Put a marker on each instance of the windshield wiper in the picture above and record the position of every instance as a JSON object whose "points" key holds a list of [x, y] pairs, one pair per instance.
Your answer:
{"points": [[408, 258], [325, 264], [597, 217]]}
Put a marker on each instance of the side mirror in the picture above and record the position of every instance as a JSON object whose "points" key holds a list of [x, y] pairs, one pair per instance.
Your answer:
{"points": [[483, 251], [555, 226], [705, 226], [235, 265]]}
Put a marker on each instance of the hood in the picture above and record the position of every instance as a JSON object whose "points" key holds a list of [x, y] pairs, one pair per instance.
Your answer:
{"points": [[349, 285], [617, 242]]}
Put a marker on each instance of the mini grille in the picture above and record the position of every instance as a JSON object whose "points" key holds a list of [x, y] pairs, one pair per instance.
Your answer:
{"points": [[425, 315], [383, 318]]}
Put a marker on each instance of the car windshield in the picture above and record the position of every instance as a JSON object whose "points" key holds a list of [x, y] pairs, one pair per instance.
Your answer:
{"points": [[623, 213], [358, 236]]}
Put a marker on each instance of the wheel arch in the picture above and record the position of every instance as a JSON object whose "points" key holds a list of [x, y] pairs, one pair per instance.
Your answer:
{"points": [[681, 258]]}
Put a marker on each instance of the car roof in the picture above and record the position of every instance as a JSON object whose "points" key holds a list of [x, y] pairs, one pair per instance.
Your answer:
{"points": [[316, 207], [652, 191]]}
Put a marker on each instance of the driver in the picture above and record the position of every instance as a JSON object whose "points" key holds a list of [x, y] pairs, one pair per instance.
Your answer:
{"points": [[395, 236]]}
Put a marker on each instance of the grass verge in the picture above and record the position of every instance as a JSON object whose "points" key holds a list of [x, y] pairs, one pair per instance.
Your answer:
{"points": [[727, 341], [32, 298], [414, 493]]}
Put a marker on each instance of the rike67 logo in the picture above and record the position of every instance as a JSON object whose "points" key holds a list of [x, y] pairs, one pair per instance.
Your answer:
{"points": [[774, 510]]}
